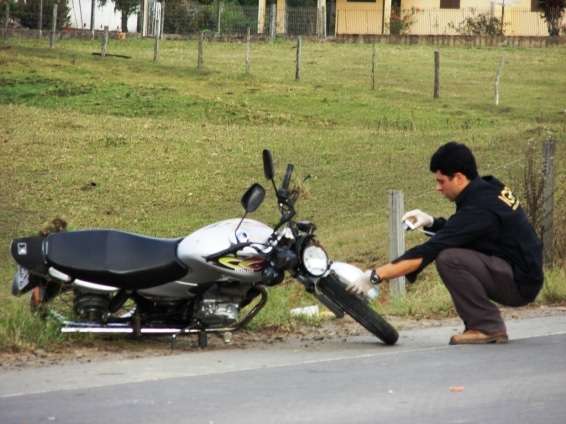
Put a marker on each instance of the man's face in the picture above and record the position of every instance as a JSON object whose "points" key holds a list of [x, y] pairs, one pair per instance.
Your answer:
{"points": [[450, 187]]}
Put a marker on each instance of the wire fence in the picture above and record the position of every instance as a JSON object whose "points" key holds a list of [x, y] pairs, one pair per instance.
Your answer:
{"points": [[187, 18]]}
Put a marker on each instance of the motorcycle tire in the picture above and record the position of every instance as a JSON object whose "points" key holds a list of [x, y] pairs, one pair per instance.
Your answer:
{"points": [[358, 309]]}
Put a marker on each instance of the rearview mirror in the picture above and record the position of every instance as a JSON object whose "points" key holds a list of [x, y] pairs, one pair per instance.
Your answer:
{"points": [[268, 165], [287, 177], [253, 197]]}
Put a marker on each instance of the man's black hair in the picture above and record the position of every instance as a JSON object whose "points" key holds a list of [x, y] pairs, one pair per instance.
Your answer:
{"points": [[454, 157]]}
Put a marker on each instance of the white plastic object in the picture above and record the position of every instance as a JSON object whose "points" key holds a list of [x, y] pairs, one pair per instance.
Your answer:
{"points": [[347, 273], [307, 311], [408, 225], [373, 293]]}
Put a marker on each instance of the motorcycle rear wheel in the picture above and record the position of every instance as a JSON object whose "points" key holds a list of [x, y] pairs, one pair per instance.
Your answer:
{"points": [[358, 309]]}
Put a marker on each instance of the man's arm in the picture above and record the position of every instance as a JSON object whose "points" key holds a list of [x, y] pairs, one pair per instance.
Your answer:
{"points": [[394, 270], [364, 286]]}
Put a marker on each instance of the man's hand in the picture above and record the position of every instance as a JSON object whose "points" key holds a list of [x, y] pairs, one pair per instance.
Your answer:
{"points": [[418, 218], [363, 286]]}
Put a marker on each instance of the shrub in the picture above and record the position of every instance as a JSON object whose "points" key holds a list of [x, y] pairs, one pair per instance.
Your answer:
{"points": [[481, 24], [401, 21], [533, 187]]}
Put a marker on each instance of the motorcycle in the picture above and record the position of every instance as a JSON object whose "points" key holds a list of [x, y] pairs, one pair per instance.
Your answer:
{"points": [[214, 280]]}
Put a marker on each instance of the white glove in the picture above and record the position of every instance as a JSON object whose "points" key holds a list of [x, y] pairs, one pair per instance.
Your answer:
{"points": [[418, 219], [363, 286]]}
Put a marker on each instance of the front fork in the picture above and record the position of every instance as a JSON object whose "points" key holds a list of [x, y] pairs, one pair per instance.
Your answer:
{"points": [[311, 286]]}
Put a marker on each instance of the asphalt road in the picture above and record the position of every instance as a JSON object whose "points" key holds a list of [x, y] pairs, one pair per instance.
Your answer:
{"points": [[422, 380]]}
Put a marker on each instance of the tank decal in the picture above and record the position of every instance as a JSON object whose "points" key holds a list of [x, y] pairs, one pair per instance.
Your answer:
{"points": [[253, 264]]}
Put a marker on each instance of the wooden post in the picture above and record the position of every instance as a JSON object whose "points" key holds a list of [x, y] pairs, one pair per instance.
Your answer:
{"points": [[503, 19], [92, 13], [396, 238], [272, 21], [6, 22], [53, 27], [220, 11], [104, 42], [144, 17], [320, 19], [162, 26], [383, 18], [498, 79], [157, 35], [548, 200], [248, 49], [436, 74], [324, 23], [373, 62], [298, 61], [40, 24], [200, 59]]}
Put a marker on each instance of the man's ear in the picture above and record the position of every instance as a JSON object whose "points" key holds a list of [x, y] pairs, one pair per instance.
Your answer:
{"points": [[461, 178]]}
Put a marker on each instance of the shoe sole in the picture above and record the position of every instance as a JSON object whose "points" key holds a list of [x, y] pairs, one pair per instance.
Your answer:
{"points": [[493, 340]]}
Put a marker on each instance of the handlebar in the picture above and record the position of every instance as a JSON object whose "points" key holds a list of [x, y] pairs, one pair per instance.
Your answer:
{"points": [[231, 249]]}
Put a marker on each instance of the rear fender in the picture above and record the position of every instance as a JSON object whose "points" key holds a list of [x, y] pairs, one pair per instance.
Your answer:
{"points": [[28, 252]]}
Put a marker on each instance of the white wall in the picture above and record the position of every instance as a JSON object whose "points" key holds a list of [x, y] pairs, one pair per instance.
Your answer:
{"points": [[103, 16]]}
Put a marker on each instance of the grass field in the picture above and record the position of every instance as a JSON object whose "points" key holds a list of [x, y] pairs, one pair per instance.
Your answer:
{"points": [[162, 149]]}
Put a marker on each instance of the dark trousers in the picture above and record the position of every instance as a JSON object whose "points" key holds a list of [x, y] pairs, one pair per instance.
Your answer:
{"points": [[474, 280]]}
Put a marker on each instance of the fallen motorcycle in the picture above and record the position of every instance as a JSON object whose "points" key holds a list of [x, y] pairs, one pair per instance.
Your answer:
{"points": [[212, 281]]}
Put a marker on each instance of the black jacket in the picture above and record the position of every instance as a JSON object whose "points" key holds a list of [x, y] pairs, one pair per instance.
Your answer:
{"points": [[488, 219]]}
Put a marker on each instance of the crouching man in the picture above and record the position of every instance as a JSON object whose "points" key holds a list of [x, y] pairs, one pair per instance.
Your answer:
{"points": [[487, 251]]}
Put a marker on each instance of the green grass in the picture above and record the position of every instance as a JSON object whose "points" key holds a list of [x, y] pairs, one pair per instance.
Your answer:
{"points": [[162, 149], [554, 290]]}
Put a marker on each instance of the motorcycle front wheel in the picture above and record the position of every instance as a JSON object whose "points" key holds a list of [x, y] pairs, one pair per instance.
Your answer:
{"points": [[358, 309]]}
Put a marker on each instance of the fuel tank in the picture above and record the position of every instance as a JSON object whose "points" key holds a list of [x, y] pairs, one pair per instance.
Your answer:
{"points": [[246, 266]]}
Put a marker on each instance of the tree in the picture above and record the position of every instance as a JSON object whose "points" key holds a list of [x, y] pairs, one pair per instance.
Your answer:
{"points": [[28, 13], [552, 11], [126, 7]]}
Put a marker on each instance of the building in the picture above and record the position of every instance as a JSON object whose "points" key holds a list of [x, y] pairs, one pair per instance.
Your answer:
{"points": [[416, 17], [435, 17], [80, 13]]}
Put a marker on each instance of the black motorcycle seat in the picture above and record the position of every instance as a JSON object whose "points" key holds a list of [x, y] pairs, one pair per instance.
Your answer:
{"points": [[115, 258]]}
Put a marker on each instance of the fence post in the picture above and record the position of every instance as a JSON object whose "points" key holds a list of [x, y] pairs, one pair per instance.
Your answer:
{"points": [[436, 74], [320, 19], [92, 13], [248, 49], [104, 42], [162, 26], [200, 59], [53, 27], [324, 22], [498, 79], [220, 11], [6, 22], [272, 21], [157, 37], [40, 24], [373, 62], [396, 238], [548, 200], [298, 61]]}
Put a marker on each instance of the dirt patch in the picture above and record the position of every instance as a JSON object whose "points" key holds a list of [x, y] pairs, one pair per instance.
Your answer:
{"points": [[106, 348]]}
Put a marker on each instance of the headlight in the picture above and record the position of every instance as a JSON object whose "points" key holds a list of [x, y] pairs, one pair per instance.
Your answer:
{"points": [[315, 260]]}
